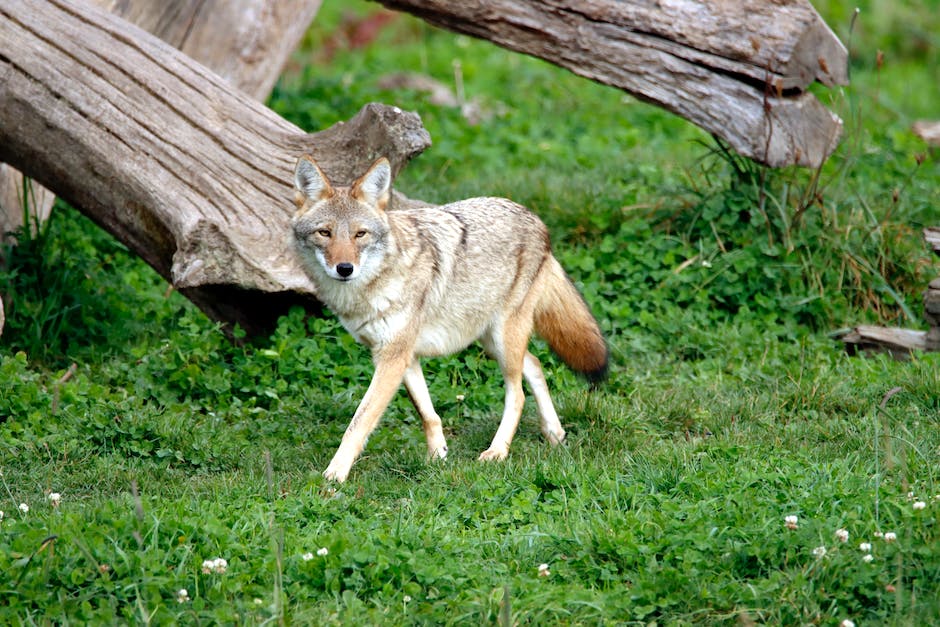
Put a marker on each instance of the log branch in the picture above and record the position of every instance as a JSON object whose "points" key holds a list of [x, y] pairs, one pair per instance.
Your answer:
{"points": [[899, 343], [736, 69]]}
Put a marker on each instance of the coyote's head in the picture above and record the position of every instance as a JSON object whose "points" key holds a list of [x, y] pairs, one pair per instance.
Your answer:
{"points": [[342, 232]]}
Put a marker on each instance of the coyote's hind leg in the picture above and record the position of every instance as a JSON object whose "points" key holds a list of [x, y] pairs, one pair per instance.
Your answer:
{"points": [[548, 417], [508, 347]]}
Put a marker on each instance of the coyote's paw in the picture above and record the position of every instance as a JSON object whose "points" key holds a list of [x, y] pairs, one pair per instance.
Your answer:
{"points": [[332, 474], [493, 454], [437, 443], [336, 471], [438, 452], [554, 437]]}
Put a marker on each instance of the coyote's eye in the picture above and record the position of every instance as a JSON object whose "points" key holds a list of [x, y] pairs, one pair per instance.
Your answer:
{"points": [[360, 234], [323, 232]]}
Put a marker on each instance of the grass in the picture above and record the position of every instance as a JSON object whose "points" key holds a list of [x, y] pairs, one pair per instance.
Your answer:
{"points": [[729, 407]]}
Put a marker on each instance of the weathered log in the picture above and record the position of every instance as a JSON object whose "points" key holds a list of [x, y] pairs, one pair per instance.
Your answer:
{"points": [[900, 343], [191, 174], [737, 69], [246, 42]]}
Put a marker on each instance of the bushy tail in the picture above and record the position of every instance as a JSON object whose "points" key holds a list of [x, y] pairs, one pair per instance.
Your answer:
{"points": [[564, 321]]}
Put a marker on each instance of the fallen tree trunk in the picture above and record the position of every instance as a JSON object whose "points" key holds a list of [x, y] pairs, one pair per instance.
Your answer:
{"points": [[191, 174], [899, 343], [246, 42], [737, 69]]}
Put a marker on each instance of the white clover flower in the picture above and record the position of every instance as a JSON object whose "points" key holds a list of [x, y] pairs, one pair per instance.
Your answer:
{"points": [[847, 623], [407, 599], [217, 565], [460, 398], [879, 534], [307, 557], [258, 601], [865, 546], [919, 505], [323, 551], [842, 535], [819, 552], [55, 498], [543, 570], [24, 508], [890, 536], [867, 558], [182, 595], [791, 521]]}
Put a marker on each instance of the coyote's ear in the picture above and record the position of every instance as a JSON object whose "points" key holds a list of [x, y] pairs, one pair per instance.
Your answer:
{"points": [[310, 181], [374, 187]]}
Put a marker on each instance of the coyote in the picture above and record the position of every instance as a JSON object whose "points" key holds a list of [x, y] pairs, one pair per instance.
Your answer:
{"points": [[411, 283]]}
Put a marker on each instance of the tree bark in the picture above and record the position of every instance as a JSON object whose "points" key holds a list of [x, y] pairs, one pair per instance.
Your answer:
{"points": [[191, 174], [246, 42], [737, 69]]}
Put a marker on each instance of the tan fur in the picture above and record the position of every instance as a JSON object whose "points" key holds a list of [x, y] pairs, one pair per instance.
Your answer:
{"points": [[410, 283]]}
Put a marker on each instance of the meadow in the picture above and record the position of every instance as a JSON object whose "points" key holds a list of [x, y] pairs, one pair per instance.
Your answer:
{"points": [[738, 467]]}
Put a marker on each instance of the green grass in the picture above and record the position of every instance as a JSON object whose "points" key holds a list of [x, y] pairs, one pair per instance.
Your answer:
{"points": [[729, 406]]}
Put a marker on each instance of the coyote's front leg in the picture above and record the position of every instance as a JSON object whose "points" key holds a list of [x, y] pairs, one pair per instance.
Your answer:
{"points": [[430, 421], [390, 366]]}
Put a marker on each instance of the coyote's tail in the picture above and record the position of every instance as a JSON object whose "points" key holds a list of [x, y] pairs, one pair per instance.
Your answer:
{"points": [[564, 321]]}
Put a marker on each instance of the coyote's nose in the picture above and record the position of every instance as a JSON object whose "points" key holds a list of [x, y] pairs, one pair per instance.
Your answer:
{"points": [[344, 269]]}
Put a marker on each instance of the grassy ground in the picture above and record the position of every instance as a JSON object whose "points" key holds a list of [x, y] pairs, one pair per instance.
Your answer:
{"points": [[729, 407]]}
